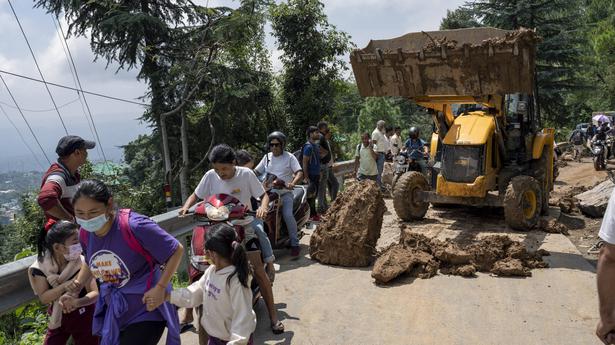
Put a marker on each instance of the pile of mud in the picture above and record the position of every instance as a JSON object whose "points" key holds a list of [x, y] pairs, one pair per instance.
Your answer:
{"points": [[567, 202], [349, 231], [552, 226], [418, 256]]}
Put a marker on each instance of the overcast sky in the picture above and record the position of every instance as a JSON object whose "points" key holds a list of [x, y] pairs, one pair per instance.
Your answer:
{"points": [[118, 122]]}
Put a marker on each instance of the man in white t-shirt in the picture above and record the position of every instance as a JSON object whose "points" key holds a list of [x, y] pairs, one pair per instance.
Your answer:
{"points": [[381, 147], [396, 143], [605, 275], [285, 167], [227, 178]]}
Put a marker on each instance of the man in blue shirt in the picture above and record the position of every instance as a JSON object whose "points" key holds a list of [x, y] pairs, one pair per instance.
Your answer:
{"points": [[415, 148], [311, 167]]}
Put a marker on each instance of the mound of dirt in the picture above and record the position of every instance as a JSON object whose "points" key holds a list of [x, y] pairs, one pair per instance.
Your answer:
{"points": [[418, 256], [552, 226], [349, 231]]}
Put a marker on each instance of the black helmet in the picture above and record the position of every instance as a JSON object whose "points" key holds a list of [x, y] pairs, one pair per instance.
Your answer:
{"points": [[277, 135], [414, 132]]}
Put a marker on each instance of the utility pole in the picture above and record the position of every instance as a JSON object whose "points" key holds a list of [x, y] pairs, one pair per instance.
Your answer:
{"points": [[167, 162], [183, 174]]}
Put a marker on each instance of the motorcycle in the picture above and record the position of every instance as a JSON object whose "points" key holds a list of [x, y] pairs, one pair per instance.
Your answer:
{"points": [[405, 163], [599, 153], [275, 227], [221, 208]]}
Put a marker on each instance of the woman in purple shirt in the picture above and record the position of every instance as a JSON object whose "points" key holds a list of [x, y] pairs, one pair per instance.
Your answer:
{"points": [[124, 251]]}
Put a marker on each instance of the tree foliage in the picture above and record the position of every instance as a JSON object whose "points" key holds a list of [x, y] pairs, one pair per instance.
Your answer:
{"points": [[311, 50]]}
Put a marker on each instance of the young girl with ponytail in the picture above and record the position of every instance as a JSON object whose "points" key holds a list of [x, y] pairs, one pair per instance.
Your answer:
{"points": [[59, 261], [223, 290]]}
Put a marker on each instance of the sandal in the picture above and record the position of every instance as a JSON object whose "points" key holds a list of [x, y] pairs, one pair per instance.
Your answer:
{"points": [[595, 249], [185, 327], [277, 327]]}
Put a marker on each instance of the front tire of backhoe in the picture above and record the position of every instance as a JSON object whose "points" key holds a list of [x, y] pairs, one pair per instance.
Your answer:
{"points": [[523, 203], [406, 201]]}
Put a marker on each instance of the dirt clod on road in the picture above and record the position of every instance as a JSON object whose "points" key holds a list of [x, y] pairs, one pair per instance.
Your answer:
{"points": [[351, 227], [419, 256]]}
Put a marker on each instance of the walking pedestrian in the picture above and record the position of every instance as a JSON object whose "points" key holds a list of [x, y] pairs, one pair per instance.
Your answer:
{"points": [[223, 290], [125, 252], [381, 147]]}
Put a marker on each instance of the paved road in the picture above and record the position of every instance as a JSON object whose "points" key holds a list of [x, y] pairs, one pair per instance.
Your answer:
{"points": [[331, 305]]}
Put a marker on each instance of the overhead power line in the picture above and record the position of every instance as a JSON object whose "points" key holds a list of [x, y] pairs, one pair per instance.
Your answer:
{"points": [[25, 120], [22, 138], [77, 82], [74, 89], [37, 66], [41, 110]]}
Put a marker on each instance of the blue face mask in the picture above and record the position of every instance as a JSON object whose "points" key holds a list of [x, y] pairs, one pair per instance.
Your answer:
{"points": [[94, 224]]}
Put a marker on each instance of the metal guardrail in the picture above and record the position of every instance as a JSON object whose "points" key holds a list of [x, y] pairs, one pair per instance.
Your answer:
{"points": [[15, 287]]}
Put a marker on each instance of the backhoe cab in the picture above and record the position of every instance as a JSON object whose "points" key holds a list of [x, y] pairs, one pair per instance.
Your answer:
{"points": [[478, 85]]}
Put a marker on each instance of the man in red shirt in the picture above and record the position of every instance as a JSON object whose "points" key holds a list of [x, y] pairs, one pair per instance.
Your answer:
{"points": [[61, 179]]}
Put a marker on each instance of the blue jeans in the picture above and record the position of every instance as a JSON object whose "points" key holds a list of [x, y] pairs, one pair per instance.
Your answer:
{"points": [[263, 240], [380, 166], [289, 218]]}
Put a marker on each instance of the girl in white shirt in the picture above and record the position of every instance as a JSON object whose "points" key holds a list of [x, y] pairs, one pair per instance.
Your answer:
{"points": [[223, 290]]}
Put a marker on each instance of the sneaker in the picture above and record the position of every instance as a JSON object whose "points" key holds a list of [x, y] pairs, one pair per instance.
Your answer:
{"points": [[295, 251]]}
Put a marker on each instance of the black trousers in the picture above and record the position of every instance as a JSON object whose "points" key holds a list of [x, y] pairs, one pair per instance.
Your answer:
{"points": [[143, 333]]}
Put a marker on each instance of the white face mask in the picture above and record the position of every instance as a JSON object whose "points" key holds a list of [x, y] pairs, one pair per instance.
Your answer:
{"points": [[316, 142], [94, 224], [74, 251]]}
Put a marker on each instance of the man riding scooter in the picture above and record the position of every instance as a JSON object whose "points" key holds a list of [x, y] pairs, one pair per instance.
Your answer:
{"points": [[241, 183], [416, 149], [285, 167]]}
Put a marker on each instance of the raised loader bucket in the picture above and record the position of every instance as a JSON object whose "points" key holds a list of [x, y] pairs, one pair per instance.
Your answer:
{"points": [[464, 62]]}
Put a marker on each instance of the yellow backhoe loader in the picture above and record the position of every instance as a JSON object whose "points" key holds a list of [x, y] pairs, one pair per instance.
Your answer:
{"points": [[487, 148]]}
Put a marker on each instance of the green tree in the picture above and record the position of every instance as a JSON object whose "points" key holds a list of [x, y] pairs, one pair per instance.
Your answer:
{"points": [[311, 49], [559, 55], [460, 18]]}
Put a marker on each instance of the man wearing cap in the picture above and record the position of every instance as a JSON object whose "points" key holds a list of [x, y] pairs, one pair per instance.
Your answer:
{"points": [[61, 179]]}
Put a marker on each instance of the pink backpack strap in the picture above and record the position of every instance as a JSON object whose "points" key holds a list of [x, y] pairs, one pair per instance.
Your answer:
{"points": [[84, 238], [134, 244]]}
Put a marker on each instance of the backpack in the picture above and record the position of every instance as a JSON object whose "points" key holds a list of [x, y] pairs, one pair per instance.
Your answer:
{"points": [[577, 138], [130, 239], [299, 153]]}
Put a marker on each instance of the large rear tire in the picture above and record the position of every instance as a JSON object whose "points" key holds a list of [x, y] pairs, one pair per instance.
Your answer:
{"points": [[406, 202], [523, 203]]}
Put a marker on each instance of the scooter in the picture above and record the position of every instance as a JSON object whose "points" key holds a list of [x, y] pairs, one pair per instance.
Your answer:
{"points": [[405, 163], [599, 153], [274, 222], [220, 208]]}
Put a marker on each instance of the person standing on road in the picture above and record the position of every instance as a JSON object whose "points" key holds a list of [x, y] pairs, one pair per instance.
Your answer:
{"points": [[396, 142], [605, 275], [333, 184], [311, 168], [241, 183], [326, 163], [61, 179], [381, 147], [577, 139], [365, 167], [126, 253], [223, 290], [285, 166]]}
